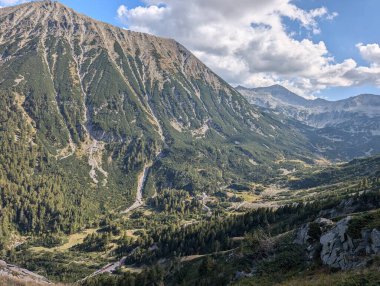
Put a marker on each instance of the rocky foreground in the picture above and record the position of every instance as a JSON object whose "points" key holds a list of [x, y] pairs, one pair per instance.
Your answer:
{"points": [[336, 247], [12, 272]]}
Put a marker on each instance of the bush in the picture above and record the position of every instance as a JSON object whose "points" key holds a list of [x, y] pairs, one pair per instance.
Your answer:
{"points": [[94, 242]]}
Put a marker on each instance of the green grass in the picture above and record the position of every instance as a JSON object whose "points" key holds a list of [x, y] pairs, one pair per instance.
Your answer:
{"points": [[321, 277]]}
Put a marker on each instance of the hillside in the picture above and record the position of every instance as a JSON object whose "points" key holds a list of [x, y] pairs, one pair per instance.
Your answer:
{"points": [[94, 116], [124, 160], [308, 237], [351, 171]]}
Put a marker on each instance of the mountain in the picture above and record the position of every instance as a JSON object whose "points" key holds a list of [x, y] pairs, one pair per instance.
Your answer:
{"points": [[349, 127], [96, 118], [124, 160]]}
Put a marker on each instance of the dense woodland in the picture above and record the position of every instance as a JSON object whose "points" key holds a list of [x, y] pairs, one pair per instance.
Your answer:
{"points": [[36, 195], [217, 235]]}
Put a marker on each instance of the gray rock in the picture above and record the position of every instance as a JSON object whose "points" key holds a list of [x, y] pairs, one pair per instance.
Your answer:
{"points": [[375, 241], [360, 250], [3, 264], [324, 223], [302, 235], [337, 246]]}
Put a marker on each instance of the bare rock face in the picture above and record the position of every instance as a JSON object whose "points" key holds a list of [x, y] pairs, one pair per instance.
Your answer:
{"points": [[309, 235], [305, 235], [302, 236], [12, 271], [335, 247]]}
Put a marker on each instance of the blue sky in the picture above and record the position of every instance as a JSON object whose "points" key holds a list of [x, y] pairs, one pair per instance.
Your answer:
{"points": [[357, 22], [309, 46]]}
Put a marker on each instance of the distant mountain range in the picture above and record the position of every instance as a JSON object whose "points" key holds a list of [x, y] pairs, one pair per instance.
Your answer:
{"points": [[350, 127]]}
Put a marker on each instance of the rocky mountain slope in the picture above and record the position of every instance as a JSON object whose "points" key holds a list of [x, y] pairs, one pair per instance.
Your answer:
{"points": [[13, 275], [98, 116], [335, 245], [121, 150], [351, 124]]}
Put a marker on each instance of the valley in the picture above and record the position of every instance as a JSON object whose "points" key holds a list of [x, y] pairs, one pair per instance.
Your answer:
{"points": [[130, 235], [125, 160]]}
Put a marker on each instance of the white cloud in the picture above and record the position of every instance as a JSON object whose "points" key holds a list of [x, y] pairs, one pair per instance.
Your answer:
{"points": [[246, 41], [12, 2], [370, 53]]}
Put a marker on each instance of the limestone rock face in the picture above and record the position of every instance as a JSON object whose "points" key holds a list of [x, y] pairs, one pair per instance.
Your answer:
{"points": [[13, 271], [304, 234], [309, 234], [335, 247]]}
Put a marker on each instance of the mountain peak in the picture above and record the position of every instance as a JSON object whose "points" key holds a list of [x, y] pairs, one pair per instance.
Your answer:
{"points": [[35, 11], [274, 87], [277, 86], [41, 20]]}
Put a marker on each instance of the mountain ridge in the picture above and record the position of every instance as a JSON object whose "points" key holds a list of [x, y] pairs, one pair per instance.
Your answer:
{"points": [[115, 116], [348, 127], [270, 89], [120, 150]]}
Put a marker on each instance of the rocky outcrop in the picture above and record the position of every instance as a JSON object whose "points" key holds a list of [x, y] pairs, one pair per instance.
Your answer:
{"points": [[337, 247], [310, 233], [15, 272], [305, 235], [332, 244], [345, 207]]}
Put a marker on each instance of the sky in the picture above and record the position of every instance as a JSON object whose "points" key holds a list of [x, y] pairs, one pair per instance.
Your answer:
{"points": [[316, 48]]}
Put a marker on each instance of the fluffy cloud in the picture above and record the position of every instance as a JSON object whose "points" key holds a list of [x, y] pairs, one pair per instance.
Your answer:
{"points": [[247, 42], [4, 3], [370, 52]]}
